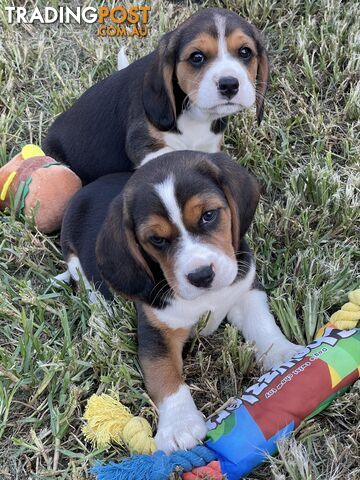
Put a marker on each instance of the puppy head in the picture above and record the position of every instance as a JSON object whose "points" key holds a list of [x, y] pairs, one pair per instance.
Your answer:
{"points": [[178, 225], [215, 62]]}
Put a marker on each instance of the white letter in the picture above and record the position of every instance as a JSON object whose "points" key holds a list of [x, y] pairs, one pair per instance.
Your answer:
{"points": [[250, 399], [36, 15], [10, 10], [21, 12], [89, 18], [48, 18], [76, 16]]}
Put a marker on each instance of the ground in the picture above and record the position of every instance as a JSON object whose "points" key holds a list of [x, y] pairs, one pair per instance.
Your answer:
{"points": [[56, 350]]}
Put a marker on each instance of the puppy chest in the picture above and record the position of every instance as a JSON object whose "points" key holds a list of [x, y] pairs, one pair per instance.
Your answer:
{"points": [[194, 135]]}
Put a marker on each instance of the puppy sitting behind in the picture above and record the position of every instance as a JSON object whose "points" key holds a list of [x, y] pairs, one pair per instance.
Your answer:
{"points": [[176, 98], [172, 239]]}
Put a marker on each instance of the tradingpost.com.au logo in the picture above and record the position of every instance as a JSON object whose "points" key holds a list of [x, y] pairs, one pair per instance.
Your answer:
{"points": [[115, 21]]}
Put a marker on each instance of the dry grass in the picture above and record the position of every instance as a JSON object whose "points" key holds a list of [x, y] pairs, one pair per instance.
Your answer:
{"points": [[54, 354]]}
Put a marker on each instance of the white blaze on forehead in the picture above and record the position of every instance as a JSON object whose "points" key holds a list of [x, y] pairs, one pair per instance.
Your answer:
{"points": [[166, 192], [220, 23], [227, 64]]}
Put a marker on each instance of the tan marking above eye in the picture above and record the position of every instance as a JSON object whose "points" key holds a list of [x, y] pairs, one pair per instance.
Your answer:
{"points": [[199, 204], [156, 225], [204, 43], [238, 39]]}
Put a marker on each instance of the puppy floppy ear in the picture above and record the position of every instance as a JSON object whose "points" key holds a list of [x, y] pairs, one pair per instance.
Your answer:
{"points": [[158, 92], [262, 79], [262, 74], [119, 257], [242, 194]]}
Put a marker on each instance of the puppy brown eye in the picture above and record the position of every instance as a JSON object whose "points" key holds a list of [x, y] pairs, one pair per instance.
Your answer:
{"points": [[197, 58], [158, 242], [209, 217], [245, 53]]}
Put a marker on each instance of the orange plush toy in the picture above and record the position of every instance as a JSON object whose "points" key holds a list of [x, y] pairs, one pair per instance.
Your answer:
{"points": [[38, 185]]}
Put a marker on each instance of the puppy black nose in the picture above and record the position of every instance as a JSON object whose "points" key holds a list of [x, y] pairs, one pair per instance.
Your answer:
{"points": [[202, 277], [228, 86]]}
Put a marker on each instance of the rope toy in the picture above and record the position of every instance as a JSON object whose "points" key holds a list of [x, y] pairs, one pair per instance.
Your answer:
{"points": [[108, 421], [244, 432], [347, 317], [349, 314], [156, 467]]}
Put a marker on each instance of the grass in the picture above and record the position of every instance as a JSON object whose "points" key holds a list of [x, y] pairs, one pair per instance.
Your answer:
{"points": [[56, 350]]}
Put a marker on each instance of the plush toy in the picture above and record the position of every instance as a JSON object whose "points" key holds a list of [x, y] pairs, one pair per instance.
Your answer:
{"points": [[245, 431], [37, 185]]}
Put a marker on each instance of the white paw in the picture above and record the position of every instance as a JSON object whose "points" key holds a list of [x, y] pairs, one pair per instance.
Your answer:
{"points": [[279, 352], [181, 425], [210, 327], [62, 277], [181, 433]]}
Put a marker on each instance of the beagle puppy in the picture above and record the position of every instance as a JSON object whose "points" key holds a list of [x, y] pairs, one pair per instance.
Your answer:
{"points": [[173, 241], [176, 98]]}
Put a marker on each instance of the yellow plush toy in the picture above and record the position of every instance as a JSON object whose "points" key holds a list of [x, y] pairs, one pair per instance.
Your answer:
{"points": [[37, 185]]}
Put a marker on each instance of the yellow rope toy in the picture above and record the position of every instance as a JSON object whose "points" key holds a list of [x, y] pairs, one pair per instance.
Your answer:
{"points": [[347, 317], [349, 314], [109, 421]]}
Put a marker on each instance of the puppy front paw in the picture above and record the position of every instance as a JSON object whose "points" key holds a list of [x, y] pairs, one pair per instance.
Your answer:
{"points": [[181, 425], [278, 353], [181, 433]]}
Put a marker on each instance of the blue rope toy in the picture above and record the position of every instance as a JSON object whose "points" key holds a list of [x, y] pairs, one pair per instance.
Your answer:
{"points": [[158, 466]]}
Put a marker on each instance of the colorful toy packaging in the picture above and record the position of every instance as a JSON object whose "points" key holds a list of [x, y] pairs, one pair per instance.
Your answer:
{"points": [[244, 432]]}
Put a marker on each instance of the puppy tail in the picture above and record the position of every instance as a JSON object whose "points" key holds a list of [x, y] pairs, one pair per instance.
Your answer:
{"points": [[122, 59]]}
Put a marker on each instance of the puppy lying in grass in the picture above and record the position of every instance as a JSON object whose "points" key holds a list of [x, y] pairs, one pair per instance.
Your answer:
{"points": [[171, 238]]}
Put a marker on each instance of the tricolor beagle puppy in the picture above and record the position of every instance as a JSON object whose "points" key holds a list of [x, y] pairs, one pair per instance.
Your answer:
{"points": [[175, 98], [173, 241]]}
